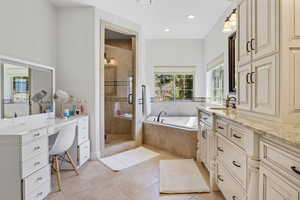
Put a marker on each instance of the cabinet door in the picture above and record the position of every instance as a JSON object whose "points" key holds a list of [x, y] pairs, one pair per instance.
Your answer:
{"points": [[204, 146], [244, 32], [294, 12], [265, 28], [264, 80], [244, 87], [273, 187]]}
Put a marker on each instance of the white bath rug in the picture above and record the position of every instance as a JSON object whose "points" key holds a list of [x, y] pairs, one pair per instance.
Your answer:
{"points": [[128, 158], [181, 176]]}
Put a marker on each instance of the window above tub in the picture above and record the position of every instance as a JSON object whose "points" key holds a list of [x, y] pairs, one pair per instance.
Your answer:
{"points": [[174, 83]]}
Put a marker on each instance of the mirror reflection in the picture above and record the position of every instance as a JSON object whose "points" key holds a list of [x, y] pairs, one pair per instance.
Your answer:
{"points": [[26, 90]]}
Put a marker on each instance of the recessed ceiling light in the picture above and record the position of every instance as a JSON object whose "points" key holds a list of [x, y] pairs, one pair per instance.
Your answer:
{"points": [[167, 30], [191, 17]]}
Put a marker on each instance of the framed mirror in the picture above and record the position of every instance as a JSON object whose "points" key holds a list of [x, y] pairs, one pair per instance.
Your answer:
{"points": [[26, 89]]}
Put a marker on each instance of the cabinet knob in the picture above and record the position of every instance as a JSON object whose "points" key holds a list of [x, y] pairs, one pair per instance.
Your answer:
{"points": [[251, 77], [36, 148], [36, 135], [236, 136], [247, 78], [220, 178], [247, 47], [220, 149], [294, 168], [236, 164], [252, 44]]}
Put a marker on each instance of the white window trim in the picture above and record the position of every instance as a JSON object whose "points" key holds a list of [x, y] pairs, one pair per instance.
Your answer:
{"points": [[175, 70], [214, 64]]}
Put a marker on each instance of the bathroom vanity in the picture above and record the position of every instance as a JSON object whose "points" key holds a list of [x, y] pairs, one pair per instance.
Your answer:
{"points": [[27, 125], [252, 158]]}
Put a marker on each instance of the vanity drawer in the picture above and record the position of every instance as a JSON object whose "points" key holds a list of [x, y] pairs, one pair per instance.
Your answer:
{"points": [[83, 122], [237, 135], [276, 156], [234, 158], [228, 186], [221, 127], [276, 187], [32, 182], [34, 148], [33, 135], [41, 192], [83, 130], [34, 164], [83, 152]]}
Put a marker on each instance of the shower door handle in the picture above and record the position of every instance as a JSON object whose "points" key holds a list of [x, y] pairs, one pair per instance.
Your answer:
{"points": [[129, 99]]}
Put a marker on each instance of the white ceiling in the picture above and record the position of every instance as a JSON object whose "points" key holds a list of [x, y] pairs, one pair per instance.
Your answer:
{"points": [[164, 14]]}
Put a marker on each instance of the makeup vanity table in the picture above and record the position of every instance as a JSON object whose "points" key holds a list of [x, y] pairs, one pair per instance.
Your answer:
{"points": [[24, 169], [27, 128]]}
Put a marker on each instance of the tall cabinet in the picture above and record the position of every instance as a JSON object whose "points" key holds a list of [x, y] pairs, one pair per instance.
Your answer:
{"points": [[268, 58], [258, 56]]}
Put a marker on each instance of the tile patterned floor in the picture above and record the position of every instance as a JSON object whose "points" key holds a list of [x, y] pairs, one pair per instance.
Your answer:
{"points": [[141, 182]]}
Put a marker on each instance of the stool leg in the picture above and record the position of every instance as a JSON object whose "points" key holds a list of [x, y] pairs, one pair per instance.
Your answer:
{"points": [[56, 161], [72, 163]]}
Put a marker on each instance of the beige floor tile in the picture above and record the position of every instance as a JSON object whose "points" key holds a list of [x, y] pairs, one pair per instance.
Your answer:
{"points": [[152, 193], [208, 196], [141, 182]]}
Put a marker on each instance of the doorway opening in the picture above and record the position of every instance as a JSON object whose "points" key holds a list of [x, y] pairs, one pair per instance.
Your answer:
{"points": [[119, 91]]}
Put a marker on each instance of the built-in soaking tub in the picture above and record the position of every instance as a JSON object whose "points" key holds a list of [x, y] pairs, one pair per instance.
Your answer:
{"points": [[176, 134]]}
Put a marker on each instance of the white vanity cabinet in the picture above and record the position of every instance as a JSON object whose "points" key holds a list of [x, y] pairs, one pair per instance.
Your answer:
{"points": [[24, 169], [268, 46], [80, 150], [258, 59], [258, 29], [236, 160], [205, 139], [279, 171], [244, 32]]}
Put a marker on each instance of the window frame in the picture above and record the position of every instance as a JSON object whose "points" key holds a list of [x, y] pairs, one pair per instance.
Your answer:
{"points": [[218, 67], [215, 64], [173, 71]]}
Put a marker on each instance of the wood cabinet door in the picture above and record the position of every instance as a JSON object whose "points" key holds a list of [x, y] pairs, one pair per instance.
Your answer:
{"points": [[244, 87], [244, 32], [272, 187], [265, 28], [265, 85]]}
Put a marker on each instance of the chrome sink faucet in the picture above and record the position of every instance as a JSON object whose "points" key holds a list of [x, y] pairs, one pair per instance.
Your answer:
{"points": [[160, 115], [231, 99]]}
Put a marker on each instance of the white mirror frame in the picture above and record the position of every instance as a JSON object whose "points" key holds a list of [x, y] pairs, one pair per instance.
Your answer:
{"points": [[7, 59]]}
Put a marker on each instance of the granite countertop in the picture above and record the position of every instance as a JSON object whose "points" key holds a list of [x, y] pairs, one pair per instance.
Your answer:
{"points": [[287, 133]]}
